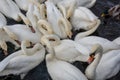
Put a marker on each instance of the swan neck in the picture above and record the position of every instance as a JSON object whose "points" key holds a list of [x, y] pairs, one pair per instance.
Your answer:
{"points": [[84, 34], [91, 69], [23, 48], [48, 45], [66, 25]]}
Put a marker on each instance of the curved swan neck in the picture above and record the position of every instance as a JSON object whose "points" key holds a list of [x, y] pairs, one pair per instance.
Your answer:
{"points": [[46, 42], [91, 69], [24, 18], [24, 45], [67, 26], [84, 34], [44, 27]]}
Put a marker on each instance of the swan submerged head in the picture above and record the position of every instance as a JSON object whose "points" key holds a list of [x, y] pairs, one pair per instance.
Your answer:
{"points": [[30, 51]]}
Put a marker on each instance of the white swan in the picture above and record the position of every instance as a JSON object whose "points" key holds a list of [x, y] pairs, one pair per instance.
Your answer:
{"points": [[104, 67], [24, 33], [67, 7], [83, 18], [11, 10], [105, 43], [68, 50], [20, 63], [34, 14], [57, 67], [2, 20], [60, 25]]}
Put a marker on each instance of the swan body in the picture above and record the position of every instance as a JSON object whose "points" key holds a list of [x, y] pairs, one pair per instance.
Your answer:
{"points": [[117, 40], [23, 4], [10, 10], [68, 50], [57, 67], [105, 66], [109, 62], [71, 51], [20, 63], [2, 20], [34, 37], [67, 7], [83, 18], [105, 43], [60, 25], [85, 3], [24, 33]]}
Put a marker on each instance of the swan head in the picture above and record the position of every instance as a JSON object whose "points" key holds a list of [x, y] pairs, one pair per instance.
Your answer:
{"points": [[24, 44], [37, 47], [44, 27], [49, 57], [52, 39], [90, 71]]}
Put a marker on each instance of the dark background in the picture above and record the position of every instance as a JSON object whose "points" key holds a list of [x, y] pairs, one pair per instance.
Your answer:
{"points": [[109, 28]]}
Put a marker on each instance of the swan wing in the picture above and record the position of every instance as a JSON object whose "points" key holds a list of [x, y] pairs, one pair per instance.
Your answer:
{"points": [[68, 72]]}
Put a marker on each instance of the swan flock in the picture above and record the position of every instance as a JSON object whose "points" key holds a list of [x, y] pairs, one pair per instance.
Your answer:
{"points": [[48, 27]]}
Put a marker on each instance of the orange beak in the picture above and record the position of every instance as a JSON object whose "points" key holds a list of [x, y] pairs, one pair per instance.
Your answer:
{"points": [[90, 60]]}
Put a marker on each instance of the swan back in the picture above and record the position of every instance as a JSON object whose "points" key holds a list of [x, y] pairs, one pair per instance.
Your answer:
{"points": [[56, 68], [24, 63], [2, 20], [18, 28], [109, 65], [55, 18], [106, 44], [10, 9], [82, 18], [53, 11], [23, 4]]}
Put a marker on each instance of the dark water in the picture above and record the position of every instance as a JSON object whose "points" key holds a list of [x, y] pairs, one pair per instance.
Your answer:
{"points": [[110, 29]]}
